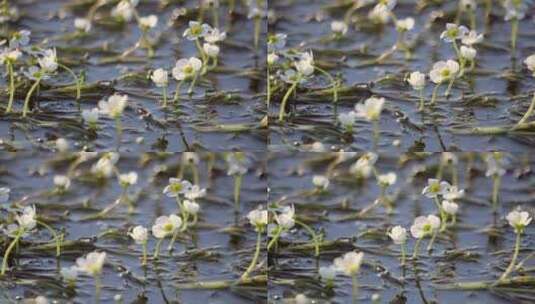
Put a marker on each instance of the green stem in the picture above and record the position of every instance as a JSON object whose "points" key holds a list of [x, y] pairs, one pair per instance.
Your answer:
{"points": [[144, 259], [528, 112], [434, 95], [57, 237], [29, 95], [268, 88], [98, 286], [375, 133], [285, 98], [354, 288], [495, 191], [177, 90], [514, 33], [9, 249], [76, 80], [334, 84], [237, 188], [157, 249], [257, 24], [432, 241], [165, 96], [275, 238], [513, 260], [416, 248], [190, 89], [403, 254], [422, 101], [314, 236], [245, 275], [11, 86]]}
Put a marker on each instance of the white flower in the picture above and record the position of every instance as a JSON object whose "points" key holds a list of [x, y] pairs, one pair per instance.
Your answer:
{"points": [[166, 225], [211, 50], [124, 10], [214, 35], [453, 32], [370, 109], [186, 68], [69, 274], [82, 24], [494, 164], [347, 119], [191, 207], [530, 63], [62, 182], [386, 180], [449, 158], [62, 145], [176, 187], [160, 77], [276, 42], [435, 187], [452, 193], [10, 56], [128, 179], [190, 158], [37, 300], [4, 194], [320, 182], [272, 58], [196, 30], [90, 116], [417, 80], [286, 218], [518, 220], [49, 61], [305, 64], [27, 219], [103, 168], [327, 273], [92, 263], [364, 165], [258, 218], [148, 22], [139, 234], [236, 163], [114, 106], [450, 207], [380, 14], [424, 226], [468, 53], [515, 9], [301, 299], [404, 25], [339, 27], [194, 192], [443, 70], [349, 263], [20, 38], [472, 38], [398, 235]]}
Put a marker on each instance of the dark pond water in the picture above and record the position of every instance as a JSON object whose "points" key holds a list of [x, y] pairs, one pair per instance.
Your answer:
{"points": [[219, 247], [497, 92], [478, 249], [224, 112]]}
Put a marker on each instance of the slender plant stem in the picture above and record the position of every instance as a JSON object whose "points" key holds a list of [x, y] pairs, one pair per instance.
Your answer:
{"points": [[237, 189], [422, 101], [528, 112], [334, 83], [354, 288], [29, 95], [313, 235], [434, 95], [282, 110], [98, 287], [76, 79], [275, 238], [251, 267], [20, 232], [514, 33], [144, 259], [403, 254], [157, 249], [165, 96], [497, 180], [57, 237], [177, 90], [432, 241], [511, 266], [416, 248], [11, 86]]}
